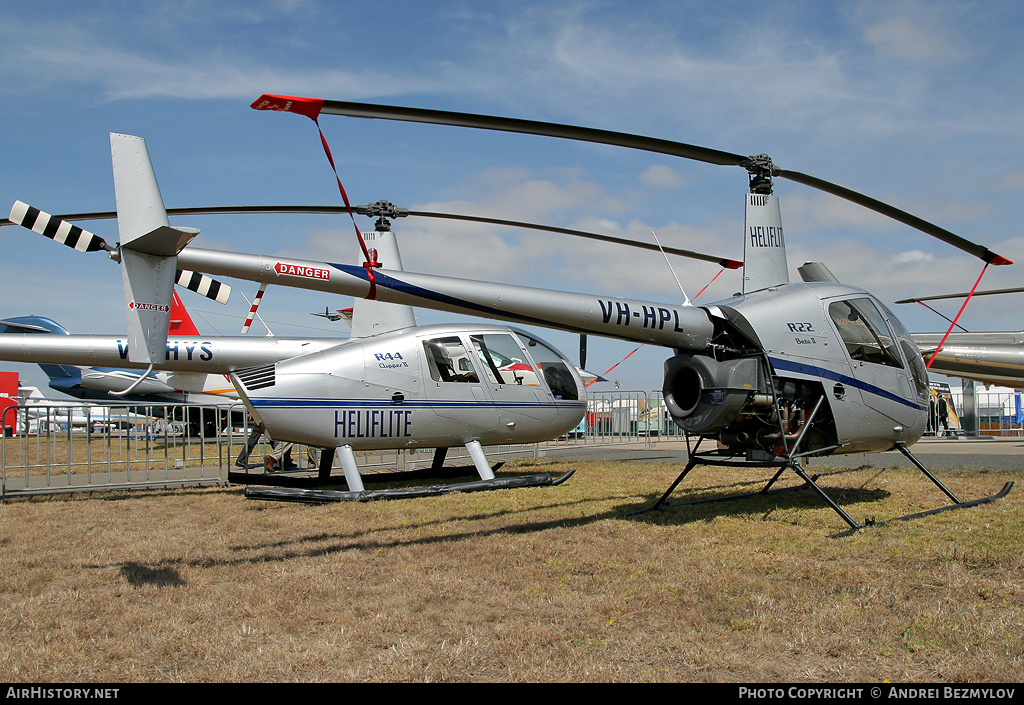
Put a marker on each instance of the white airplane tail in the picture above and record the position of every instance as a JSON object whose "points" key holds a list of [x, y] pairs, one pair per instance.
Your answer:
{"points": [[149, 248]]}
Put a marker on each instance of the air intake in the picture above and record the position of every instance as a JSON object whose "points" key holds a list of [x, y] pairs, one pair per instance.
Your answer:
{"points": [[258, 377]]}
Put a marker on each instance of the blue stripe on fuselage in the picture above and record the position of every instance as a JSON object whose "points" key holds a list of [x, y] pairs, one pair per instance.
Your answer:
{"points": [[387, 403], [815, 371], [486, 311]]}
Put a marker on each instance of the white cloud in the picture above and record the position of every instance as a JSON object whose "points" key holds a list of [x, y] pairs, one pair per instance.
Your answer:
{"points": [[913, 257], [916, 33], [661, 176]]}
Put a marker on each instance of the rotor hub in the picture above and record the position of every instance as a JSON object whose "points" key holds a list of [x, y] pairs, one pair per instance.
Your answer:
{"points": [[760, 169], [385, 212]]}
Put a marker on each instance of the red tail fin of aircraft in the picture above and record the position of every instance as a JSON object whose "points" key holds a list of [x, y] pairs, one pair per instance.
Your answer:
{"points": [[181, 323]]}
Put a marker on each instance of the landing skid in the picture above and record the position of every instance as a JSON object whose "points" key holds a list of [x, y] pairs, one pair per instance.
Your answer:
{"points": [[958, 505], [302, 489], [302, 478], [793, 463], [311, 496]]}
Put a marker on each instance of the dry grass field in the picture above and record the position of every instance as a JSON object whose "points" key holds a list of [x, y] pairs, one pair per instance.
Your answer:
{"points": [[543, 584]]}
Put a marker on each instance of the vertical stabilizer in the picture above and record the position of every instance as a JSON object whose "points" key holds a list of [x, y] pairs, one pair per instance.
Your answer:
{"points": [[764, 247], [148, 285], [149, 247], [376, 317], [181, 322]]}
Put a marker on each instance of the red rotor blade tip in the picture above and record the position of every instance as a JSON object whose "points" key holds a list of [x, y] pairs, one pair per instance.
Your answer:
{"points": [[310, 107]]}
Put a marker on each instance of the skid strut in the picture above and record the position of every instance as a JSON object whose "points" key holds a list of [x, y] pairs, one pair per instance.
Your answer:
{"points": [[792, 462]]}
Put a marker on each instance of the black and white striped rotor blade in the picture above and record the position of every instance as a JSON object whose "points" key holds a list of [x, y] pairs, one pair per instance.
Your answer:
{"points": [[56, 229], [203, 285]]}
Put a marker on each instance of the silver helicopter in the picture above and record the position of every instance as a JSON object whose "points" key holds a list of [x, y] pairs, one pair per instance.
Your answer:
{"points": [[392, 385]]}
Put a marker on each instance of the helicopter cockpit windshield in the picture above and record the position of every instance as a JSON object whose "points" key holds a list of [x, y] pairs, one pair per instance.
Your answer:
{"points": [[919, 372], [864, 332], [553, 366]]}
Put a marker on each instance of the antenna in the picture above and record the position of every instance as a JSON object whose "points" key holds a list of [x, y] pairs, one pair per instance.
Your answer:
{"points": [[686, 299], [254, 304]]}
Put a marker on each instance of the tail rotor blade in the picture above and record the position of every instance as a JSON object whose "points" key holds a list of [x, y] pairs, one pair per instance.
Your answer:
{"points": [[203, 285], [56, 229]]}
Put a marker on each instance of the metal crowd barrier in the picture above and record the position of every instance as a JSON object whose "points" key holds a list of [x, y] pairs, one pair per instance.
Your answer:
{"points": [[55, 447], [998, 413]]}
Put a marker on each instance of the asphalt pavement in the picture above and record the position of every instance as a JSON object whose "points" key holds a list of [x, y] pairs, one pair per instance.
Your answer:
{"points": [[978, 453]]}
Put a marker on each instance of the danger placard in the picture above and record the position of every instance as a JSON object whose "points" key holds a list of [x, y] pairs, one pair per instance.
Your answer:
{"points": [[295, 270]]}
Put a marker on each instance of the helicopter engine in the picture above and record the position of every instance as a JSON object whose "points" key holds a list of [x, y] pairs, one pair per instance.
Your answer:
{"points": [[731, 400], [704, 395]]}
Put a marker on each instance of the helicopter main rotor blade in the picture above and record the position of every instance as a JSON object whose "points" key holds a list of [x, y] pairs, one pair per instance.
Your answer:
{"points": [[754, 165], [895, 213], [960, 296], [208, 210], [533, 127], [372, 210]]}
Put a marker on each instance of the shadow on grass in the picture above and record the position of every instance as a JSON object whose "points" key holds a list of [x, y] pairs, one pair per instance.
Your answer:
{"points": [[704, 507], [321, 544], [139, 575]]}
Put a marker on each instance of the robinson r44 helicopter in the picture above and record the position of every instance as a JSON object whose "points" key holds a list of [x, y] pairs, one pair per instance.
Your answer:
{"points": [[392, 385]]}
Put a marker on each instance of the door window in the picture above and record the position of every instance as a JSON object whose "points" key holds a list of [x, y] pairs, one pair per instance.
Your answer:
{"points": [[503, 361], [448, 360], [864, 332]]}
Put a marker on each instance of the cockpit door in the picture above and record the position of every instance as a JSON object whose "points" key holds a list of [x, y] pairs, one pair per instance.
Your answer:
{"points": [[877, 363], [514, 380], [454, 389]]}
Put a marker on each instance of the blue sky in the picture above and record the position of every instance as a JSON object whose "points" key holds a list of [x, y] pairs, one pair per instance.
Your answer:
{"points": [[916, 103]]}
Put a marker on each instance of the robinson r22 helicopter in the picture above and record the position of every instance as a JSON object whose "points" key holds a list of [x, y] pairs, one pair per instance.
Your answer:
{"points": [[782, 371]]}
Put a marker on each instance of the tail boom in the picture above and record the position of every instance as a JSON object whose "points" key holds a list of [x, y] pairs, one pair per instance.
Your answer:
{"points": [[626, 319]]}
